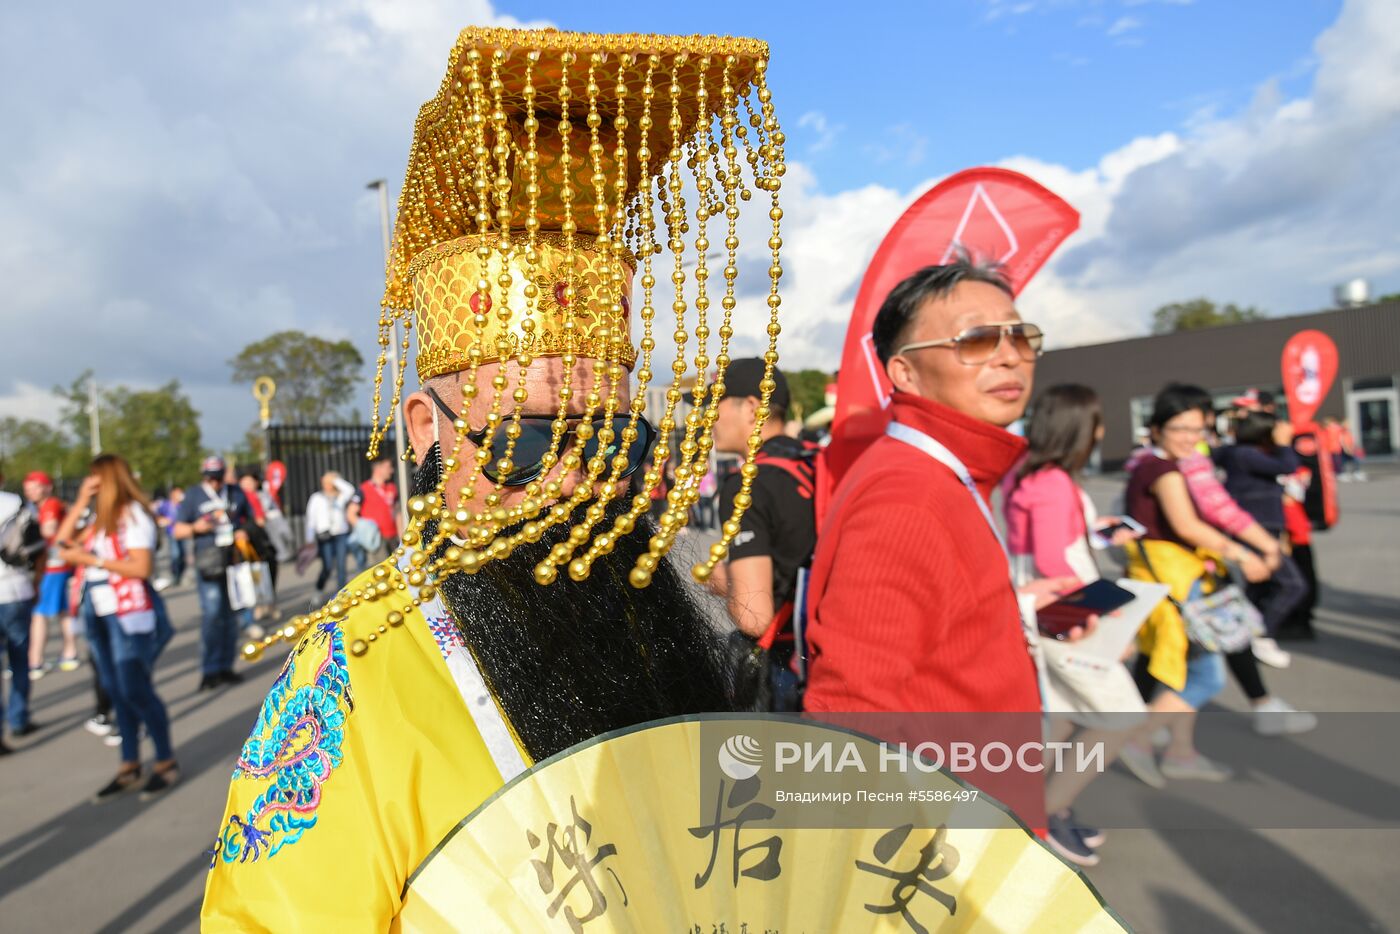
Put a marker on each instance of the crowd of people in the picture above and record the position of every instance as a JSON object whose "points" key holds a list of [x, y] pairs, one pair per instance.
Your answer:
{"points": [[920, 598], [914, 596], [93, 571]]}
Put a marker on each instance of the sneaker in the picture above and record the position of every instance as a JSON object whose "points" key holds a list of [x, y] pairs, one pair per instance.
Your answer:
{"points": [[1161, 738], [1142, 763], [254, 632], [4, 750], [228, 677], [27, 729], [70, 663], [162, 779], [1276, 717], [113, 739], [1093, 837], [36, 673], [125, 780], [1197, 768], [100, 725], [161, 584], [1065, 840], [1268, 652]]}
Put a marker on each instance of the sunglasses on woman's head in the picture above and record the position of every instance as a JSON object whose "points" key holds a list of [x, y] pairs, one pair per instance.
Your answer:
{"points": [[537, 440]]}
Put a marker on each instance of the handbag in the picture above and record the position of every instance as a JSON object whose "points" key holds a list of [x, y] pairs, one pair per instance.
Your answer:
{"points": [[1221, 621], [211, 562]]}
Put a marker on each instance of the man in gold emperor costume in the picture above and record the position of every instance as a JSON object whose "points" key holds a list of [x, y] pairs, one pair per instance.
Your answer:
{"points": [[557, 183]]}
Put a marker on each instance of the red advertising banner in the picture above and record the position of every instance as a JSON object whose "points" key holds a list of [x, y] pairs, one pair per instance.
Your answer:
{"points": [[995, 215], [1309, 368], [276, 476]]}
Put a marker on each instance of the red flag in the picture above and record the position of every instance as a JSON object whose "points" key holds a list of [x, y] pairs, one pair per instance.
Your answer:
{"points": [[276, 476], [995, 214], [1309, 368]]}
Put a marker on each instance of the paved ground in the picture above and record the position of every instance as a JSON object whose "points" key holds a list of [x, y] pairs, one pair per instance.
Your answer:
{"points": [[71, 866]]}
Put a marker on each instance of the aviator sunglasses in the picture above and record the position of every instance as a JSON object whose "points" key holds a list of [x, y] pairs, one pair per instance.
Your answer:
{"points": [[537, 439], [976, 345]]}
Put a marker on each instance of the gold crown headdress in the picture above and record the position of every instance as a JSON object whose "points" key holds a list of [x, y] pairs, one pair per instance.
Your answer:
{"points": [[527, 209]]}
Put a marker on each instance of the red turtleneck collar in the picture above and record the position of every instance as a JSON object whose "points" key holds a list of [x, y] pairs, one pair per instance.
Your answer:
{"points": [[988, 452]]}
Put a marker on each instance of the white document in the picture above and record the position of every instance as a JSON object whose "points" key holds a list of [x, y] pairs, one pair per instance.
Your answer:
{"points": [[1116, 630]]}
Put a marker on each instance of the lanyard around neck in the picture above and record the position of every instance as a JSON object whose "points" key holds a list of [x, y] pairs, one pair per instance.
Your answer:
{"points": [[936, 450]]}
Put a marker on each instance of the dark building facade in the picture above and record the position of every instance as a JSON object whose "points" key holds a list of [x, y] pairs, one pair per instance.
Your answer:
{"points": [[1231, 359]]}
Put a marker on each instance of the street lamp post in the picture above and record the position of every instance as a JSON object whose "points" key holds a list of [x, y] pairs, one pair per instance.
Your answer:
{"points": [[399, 429]]}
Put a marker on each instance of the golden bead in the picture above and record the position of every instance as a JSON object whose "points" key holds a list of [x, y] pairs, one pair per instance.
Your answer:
{"points": [[427, 592], [383, 629], [701, 572], [336, 609], [252, 652], [545, 574], [639, 578], [395, 618], [578, 569], [416, 578], [373, 637]]}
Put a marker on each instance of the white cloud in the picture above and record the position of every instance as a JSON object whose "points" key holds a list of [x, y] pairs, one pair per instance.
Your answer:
{"points": [[172, 214], [1270, 206], [823, 129], [1122, 25], [174, 207]]}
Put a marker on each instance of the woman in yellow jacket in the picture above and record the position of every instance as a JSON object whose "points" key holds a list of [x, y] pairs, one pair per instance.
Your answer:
{"points": [[1178, 677]]}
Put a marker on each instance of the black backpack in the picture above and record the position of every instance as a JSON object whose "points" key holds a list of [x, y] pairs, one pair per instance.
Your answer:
{"points": [[21, 542]]}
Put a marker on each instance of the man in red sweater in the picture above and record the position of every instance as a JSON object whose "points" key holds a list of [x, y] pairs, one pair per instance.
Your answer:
{"points": [[913, 606]]}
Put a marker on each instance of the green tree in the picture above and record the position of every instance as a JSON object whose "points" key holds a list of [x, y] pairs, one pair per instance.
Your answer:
{"points": [[27, 444], [316, 378], [156, 430], [1389, 297], [1200, 313], [808, 391]]}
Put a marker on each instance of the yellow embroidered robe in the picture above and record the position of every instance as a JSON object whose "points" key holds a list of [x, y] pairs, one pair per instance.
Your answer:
{"points": [[357, 767]]}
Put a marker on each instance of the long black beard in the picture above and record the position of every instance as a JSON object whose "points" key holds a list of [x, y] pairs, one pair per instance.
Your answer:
{"points": [[579, 658]]}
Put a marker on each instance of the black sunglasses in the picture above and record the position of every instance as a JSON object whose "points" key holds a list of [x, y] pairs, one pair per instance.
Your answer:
{"points": [[537, 439]]}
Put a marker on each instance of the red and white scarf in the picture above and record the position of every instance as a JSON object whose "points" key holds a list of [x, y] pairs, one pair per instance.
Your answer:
{"points": [[135, 611]]}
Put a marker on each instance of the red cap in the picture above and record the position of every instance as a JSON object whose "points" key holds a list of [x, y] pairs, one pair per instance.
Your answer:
{"points": [[38, 476]]}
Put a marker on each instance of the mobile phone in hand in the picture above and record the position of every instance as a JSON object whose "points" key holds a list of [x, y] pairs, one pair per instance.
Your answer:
{"points": [[1102, 538], [1074, 608]]}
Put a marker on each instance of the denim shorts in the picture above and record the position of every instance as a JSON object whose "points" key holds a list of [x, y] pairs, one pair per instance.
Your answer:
{"points": [[1205, 678]]}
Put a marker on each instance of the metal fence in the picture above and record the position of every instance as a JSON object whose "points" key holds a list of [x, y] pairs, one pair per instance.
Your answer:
{"points": [[311, 450]]}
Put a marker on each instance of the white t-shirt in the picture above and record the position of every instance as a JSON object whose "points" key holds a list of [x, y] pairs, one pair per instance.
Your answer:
{"points": [[136, 529], [16, 584]]}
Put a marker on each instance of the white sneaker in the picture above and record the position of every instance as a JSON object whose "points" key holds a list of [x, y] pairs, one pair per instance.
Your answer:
{"points": [[1276, 717], [1268, 652], [161, 584], [99, 726], [1197, 768], [254, 632], [114, 739]]}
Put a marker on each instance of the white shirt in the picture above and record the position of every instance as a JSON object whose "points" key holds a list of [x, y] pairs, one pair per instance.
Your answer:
{"points": [[16, 584], [325, 515], [136, 529]]}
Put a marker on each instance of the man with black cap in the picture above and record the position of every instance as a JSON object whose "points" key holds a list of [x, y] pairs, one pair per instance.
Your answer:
{"points": [[779, 531], [214, 514]]}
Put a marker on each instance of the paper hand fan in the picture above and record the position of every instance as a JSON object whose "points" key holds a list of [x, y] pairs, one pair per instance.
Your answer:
{"points": [[620, 834]]}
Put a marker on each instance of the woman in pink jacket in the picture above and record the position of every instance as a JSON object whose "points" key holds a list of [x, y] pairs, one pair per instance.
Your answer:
{"points": [[1048, 520]]}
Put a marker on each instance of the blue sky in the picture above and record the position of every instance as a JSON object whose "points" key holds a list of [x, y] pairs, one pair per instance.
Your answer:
{"points": [[179, 180], [925, 89]]}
